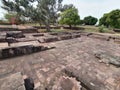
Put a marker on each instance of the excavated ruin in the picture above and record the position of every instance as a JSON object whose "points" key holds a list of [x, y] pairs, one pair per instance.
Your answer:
{"points": [[59, 61]]}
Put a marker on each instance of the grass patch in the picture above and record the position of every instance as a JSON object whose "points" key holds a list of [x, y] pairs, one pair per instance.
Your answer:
{"points": [[56, 30], [105, 30], [88, 28]]}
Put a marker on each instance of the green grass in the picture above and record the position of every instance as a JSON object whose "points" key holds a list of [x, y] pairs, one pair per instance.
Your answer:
{"points": [[61, 30], [87, 28], [97, 29], [56, 30]]}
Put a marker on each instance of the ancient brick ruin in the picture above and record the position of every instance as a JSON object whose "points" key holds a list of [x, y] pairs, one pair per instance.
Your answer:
{"points": [[59, 61]]}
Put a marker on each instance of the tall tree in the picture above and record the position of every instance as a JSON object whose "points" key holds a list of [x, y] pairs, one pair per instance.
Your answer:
{"points": [[70, 17], [49, 11], [16, 7], [44, 11], [111, 19], [89, 20], [103, 20]]}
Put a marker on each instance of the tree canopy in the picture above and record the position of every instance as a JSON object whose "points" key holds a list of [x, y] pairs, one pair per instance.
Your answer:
{"points": [[16, 8], [111, 19], [89, 20], [103, 20], [70, 17], [66, 6]]}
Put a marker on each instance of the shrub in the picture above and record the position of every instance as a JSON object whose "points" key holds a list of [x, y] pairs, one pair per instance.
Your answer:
{"points": [[103, 29]]}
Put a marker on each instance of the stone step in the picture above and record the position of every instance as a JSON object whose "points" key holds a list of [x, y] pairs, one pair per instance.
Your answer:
{"points": [[21, 48], [18, 51]]}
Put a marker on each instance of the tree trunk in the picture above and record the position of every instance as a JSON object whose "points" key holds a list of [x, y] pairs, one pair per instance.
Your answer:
{"points": [[47, 27]]}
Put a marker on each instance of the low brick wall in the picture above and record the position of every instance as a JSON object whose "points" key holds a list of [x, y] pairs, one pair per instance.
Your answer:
{"points": [[116, 30], [27, 30]]}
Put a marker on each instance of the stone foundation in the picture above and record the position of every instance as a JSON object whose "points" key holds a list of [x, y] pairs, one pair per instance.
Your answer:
{"points": [[75, 62]]}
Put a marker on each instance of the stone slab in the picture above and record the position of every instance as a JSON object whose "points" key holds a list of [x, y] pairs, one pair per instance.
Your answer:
{"points": [[15, 34], [25, 39], [2, 38], [102, 37], [34, 43], [51, 39], [3, 45], [65, 37]]}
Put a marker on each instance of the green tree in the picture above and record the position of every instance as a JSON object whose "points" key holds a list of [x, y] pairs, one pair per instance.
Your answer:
{"points": [[103, 20], [45, 11], [70, 17], [89, 20], [15, 7], [111, 19]]}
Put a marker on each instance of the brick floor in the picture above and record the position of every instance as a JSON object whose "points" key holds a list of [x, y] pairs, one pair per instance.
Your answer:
{"points": [[76, 56]]}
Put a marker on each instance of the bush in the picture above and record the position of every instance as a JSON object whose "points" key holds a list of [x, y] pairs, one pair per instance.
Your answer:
{"points": [[105, 30], [101, 30]]}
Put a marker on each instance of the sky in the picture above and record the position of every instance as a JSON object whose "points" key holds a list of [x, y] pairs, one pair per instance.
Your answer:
{"points": [[94, 8]]}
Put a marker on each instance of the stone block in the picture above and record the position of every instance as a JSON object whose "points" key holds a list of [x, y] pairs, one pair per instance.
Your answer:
{"points": [[25, 39], [38, 34], [21, 48], [101, 37], [29, 84], [3, 45], [11, 40], [34, 43], [108, 59], [18, 51], [51, 39], [65, 37], [2, 33], [76, 35], [15, 34], [2, 38]]}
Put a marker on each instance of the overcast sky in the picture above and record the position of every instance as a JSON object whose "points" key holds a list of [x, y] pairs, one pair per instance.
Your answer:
{"points": [[94, 8]]}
